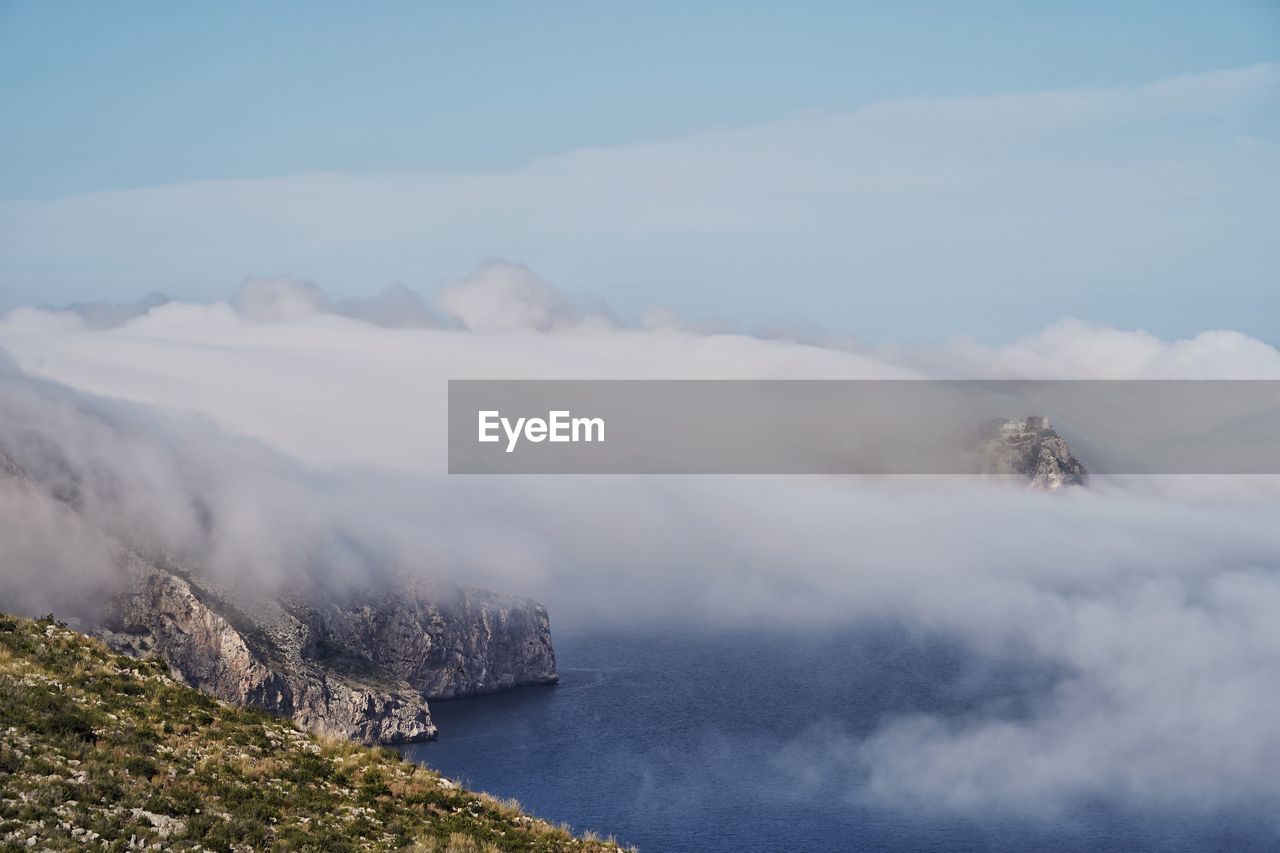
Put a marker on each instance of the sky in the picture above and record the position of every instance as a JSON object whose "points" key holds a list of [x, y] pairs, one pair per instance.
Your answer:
{"points": [[913, 171]]}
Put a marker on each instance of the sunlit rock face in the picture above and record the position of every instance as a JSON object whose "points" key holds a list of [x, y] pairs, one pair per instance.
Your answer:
{"points": [[211, 645], [445, 641], [361, 665]]}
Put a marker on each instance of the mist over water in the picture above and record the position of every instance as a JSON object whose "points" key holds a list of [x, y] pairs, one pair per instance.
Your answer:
{"points": [[686, 740], [949, 663]]}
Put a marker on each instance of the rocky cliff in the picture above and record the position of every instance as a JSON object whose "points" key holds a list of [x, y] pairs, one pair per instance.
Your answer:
{"points": [[1030, 449], [86, 765], [359, 663], [209, 645], [445, 641]]}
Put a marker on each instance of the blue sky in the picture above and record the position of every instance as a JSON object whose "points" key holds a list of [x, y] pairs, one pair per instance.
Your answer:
{"points": [[113, 97], [110, 96]]}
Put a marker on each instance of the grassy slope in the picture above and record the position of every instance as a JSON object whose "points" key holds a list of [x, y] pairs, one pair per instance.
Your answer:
{"points": [[98, 749]]}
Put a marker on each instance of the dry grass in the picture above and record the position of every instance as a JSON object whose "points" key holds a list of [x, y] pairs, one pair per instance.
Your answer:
{"points": [[100, 750]]}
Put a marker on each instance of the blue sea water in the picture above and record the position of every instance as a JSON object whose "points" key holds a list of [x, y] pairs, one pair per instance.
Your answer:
{"points": [[738, 741]]}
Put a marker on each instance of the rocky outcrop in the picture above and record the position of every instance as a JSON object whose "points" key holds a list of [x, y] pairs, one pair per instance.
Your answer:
{"points": [[445, 641], [209, 645], [1030, 449], [358, 663]]}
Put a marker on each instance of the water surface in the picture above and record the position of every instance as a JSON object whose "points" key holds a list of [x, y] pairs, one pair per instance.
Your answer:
{"points": [[740, 741]]}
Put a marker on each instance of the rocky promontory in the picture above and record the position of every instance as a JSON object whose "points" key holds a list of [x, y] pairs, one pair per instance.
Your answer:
{"points": [[362, 666], [1029, 448], [356, 659]]}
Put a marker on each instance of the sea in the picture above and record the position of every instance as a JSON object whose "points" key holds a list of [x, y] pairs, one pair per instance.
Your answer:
{"points": [[742, 740]]}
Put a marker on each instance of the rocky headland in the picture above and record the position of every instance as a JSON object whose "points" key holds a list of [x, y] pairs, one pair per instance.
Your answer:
{"points": [[1029, 449], [358, 660]]}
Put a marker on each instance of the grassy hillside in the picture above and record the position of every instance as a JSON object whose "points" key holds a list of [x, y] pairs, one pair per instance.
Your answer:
{"points": [[101, 751]]}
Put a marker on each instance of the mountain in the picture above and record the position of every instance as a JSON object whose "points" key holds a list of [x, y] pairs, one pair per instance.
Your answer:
{"points": [[103, 751], [352, 661]]}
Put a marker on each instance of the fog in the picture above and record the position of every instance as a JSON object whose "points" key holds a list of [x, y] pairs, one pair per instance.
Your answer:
{"points": [[280, 435]]}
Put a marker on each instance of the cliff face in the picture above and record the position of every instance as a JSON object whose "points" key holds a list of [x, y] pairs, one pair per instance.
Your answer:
{"points": [[210, 646], [445, 642], [361, 667], [1030, 448], [359, 664]]}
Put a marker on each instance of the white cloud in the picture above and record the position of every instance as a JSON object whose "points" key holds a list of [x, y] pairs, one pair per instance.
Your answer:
{"points": [[1150, 613], [505, 297], [36, 321], [924, 216], [278, 298], [395, 306], [1071, 349]]}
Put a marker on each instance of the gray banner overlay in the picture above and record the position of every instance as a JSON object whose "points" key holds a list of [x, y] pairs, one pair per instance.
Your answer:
{"points": [[855, 426]]}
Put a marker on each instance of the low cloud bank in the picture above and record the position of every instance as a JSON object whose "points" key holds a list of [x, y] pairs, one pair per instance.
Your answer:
{"points": [[496, 297], [276, 440], [1108, 200]]}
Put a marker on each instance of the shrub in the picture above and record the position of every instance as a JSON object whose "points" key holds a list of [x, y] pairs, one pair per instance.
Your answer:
{"points": [[139, 765], [68, 723], [210, 831], [372, 786]]}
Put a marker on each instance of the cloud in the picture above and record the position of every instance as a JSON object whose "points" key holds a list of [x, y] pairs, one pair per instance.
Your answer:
{"points": [[283, 298], [914, 217], [108, 315], [1071, 349], [1160, 707], [395, 306], [278, 298], [38, 321], [310, 446], [53, 560], [504, 297]]}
